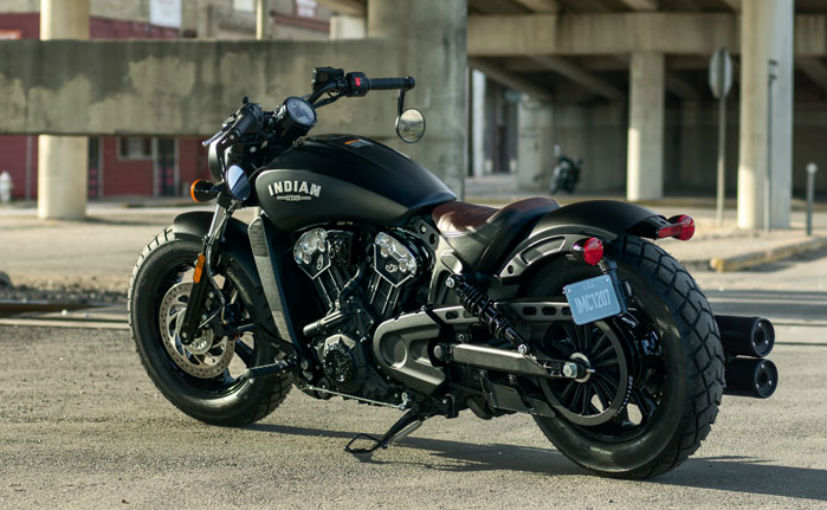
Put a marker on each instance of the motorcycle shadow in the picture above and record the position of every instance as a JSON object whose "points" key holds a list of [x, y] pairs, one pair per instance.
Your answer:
{"points": [[728, 473], [464, 456]]}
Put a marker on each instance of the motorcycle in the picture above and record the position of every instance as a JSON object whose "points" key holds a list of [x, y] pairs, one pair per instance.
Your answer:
{"points": [[363, 277], [566, 173]]}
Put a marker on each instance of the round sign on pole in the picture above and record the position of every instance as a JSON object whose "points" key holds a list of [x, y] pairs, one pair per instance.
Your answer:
{"points": [[720, 73]]}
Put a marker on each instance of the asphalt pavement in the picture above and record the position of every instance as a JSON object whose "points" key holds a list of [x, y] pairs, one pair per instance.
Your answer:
{"points": [[81, 425]]}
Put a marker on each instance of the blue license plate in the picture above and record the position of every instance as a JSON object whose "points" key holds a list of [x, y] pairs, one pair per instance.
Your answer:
{"points": [[593, 299]]}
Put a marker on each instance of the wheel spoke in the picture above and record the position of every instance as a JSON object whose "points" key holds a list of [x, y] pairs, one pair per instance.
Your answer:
{"points": [[644, 402]]}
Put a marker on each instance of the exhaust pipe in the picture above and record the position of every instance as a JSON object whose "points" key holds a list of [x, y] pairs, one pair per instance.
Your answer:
{"points": [[750, 377], [746, 336]]}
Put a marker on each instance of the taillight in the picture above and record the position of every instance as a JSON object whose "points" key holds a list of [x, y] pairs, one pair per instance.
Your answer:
{"points": [[590, 249], [682, 227]]}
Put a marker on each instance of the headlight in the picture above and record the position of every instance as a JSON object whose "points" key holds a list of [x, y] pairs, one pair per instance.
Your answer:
{"points": [[238, 183]]}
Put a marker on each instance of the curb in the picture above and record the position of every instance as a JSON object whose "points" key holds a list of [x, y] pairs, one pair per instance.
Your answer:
{"points": [[745, 260]]}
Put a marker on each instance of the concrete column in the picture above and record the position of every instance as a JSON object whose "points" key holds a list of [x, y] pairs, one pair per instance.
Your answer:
{"points": [[426, 39], [477, 123], [262, 19], [766, 34], [343, 26], [63, 161], [535, 155], [644, 163]]}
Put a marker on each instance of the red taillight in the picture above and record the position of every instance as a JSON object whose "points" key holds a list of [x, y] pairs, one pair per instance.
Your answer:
{"points": [[591, 249], [682, 227]]}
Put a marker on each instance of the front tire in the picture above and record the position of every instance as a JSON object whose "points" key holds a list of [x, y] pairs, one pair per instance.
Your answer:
{"points": [[222, 399], [686, 381]]}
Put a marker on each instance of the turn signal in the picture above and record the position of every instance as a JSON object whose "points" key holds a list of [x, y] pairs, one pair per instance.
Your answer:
{"points": [[590, 249], [199, 268], [682, 227], [203, 191]]}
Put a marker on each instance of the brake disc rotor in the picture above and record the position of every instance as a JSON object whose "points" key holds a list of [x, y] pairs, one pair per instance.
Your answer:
{"points": [[604, 392], [203, 358]]}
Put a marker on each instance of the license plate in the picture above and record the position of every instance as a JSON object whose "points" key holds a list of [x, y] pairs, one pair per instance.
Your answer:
{"points": [[593, 299]]}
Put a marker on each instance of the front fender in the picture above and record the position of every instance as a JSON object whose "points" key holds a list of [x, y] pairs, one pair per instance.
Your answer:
{"points": [[558, 230], [194, 225]]}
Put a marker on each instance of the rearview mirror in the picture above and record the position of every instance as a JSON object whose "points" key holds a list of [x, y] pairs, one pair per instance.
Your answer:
{"points": [[410, 125]]}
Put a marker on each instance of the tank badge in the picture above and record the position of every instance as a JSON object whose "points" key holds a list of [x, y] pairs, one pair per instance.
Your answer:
{"points": [[294, 191], [357, 143]]}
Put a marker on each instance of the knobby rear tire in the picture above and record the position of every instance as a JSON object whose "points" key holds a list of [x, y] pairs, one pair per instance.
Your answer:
{"points": [[695, 363]]}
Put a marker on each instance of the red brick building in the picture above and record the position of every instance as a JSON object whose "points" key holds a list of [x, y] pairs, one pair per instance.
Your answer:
{"points": [[133, 166]]}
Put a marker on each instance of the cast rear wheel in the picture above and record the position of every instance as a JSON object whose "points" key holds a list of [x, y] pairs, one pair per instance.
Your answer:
{"points": [[667, 348]]}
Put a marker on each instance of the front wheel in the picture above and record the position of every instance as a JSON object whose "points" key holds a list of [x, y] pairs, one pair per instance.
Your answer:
{"points": [[201, 379], [665, 355]]}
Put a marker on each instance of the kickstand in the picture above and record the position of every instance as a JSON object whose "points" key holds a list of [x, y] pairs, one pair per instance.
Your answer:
{"points": [[409, 422]]}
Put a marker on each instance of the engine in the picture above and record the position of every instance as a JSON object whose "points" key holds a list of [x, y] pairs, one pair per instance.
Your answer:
{"points": [[361, 280]]}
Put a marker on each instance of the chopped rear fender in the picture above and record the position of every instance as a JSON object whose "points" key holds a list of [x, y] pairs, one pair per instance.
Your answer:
{"points": [[556, 232]]}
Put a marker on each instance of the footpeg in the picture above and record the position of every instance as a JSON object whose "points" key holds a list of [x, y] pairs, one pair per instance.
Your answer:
{"points": [[408, 423], [266, 370]]}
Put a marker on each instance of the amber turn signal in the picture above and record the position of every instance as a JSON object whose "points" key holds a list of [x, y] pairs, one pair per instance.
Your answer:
{"points": [[199, 267], [203, 191]]}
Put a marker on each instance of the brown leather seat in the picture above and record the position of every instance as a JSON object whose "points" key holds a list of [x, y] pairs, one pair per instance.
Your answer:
{"points": [[482, 235], [457, 218]]}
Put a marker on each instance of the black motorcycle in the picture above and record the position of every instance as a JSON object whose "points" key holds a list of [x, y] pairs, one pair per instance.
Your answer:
{"points": [[566, 173], [363, 277]]}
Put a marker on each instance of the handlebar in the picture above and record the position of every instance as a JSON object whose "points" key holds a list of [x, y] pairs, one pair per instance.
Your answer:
{"points": [[406, 83]]}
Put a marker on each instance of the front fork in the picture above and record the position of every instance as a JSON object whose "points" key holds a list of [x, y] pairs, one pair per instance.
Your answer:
{"points": [[203, 281]]}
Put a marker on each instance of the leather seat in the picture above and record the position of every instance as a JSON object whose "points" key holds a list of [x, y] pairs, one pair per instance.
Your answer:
{"points": [[481, 235]]}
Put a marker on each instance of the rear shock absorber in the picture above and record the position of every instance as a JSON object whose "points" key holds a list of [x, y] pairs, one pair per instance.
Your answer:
{"points": [[482, 307]]}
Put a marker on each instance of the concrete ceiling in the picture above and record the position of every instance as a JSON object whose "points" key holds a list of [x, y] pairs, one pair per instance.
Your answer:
{"points": [[605, 76]]}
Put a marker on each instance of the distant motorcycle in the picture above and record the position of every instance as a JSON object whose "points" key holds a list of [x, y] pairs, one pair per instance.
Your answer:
{"points": [[566, 173], [363, 277]]}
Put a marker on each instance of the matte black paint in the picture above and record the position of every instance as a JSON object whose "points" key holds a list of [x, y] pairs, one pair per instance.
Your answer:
{"points": [[194, 226], [361, 181]]}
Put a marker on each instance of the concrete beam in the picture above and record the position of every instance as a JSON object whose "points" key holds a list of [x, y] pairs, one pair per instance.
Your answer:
{"points": [[544, 6], [680, 87], [814, 69], [641, 5], [497, 6], [735, 5], [181, 88], [579, 75], [349, 7], [502, 75], [675, 33]]}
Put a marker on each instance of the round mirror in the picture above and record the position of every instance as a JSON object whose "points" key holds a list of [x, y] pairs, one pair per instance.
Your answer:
{"points": [[410, 126], [238, 183]]}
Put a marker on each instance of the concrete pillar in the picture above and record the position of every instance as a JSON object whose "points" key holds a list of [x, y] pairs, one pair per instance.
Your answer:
{"points": [[63, 161], [344, 26], [766, 34], [262, 19], [478, 117], [535, 154], [426, 39], [644, 163]]}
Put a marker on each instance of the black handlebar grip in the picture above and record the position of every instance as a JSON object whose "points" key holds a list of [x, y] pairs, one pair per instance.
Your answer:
{"points": [[392, 83]]}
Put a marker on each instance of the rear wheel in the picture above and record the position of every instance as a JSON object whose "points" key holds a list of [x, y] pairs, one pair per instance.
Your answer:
{"points": [[201, 379], [658, 369]]}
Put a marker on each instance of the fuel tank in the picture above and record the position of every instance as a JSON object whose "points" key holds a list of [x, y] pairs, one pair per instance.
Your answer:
{"points": [[343, 177]]}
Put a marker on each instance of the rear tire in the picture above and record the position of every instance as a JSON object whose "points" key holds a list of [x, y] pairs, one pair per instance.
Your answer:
{"points": [[222, 400], [692, 357]]}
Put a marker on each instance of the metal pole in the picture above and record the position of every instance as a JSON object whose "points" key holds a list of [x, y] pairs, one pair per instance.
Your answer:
{"points": [[811, 184], [721, 160], [768, 177]]}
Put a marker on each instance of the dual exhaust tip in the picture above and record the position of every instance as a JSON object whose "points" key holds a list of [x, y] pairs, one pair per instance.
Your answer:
{"points": [[747, 341]]}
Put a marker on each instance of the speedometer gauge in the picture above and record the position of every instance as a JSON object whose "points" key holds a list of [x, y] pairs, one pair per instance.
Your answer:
{"points": [[300, 111]]}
